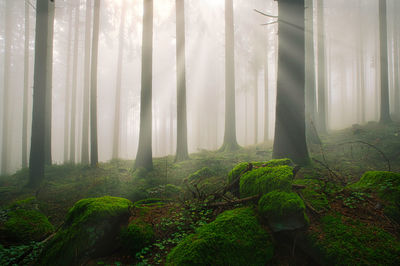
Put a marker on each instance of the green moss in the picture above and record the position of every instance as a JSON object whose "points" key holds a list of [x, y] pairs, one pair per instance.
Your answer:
{"points": [[265, 179], [237, 171], [136, 236], [278, 162], [234, 238], [348, 242], [200, 174], [312, 193], [91, 229], [283, 210]]}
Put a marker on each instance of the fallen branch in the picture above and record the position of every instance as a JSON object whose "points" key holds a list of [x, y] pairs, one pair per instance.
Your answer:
{"points": [[308, 205], [330, 170], [234, 202]]}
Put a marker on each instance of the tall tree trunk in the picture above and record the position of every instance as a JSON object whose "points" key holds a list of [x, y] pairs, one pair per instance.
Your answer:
{"points": [[322, 127], [230, 142], [26, 90], [93, 86], [396, 62], [86, 85], [117, 110], [385, 111], [255, 102], [72, 144], [182, 146], [290, 138], [144, 154], [37, 152], [266, 91], [49, 89], [67, 89]]}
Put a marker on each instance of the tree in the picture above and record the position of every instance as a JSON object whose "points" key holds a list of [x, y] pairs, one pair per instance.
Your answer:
{"points": [[321, 69], [93, 86], [6, 84], [361, 68], [117, 110], [290, 139], [396, 48], [37, 152], [144, 154], [182, 145], [67, 89], [86, 85], [230, 142], [385, 112], [26, 90], [266, 98]]}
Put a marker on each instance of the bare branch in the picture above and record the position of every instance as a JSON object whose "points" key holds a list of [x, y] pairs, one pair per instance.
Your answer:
{"points": [[264, 14]]}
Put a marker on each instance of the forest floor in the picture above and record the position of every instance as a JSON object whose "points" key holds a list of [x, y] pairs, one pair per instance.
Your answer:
{"points": [[340, 159]]}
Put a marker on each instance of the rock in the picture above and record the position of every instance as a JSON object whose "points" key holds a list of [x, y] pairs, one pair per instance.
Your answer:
{"points": [[234, 238], [283, 211], [91, 229]]}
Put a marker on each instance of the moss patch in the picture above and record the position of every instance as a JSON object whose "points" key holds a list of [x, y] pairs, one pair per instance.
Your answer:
{"points": [[136, 236], [234, 238], [313, 194]]}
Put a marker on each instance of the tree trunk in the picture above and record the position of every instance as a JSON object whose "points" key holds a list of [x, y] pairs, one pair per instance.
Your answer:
{"points": [[230, 142], [255, 101], [182, 146], [396, 63], [321, 70], [67, 89], [290, 139], [117, 110], [144, 154], [93, 87], [266, 98], [86, 85], [385, 112], [37, 152], [26, 90], [72, 144]]}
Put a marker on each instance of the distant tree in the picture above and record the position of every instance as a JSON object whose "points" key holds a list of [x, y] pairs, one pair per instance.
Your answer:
{"points": [[290, 139], [117, 110], [67, 88], [385, 112], [182, 145], [86, 84], [361, 67], [230, 142], [396, 47], [144, 154], [321, 122], [93, 86], [6, 83], [37, 152], [266, 91], [26, 90]]}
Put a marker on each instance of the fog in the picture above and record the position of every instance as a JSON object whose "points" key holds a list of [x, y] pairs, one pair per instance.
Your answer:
{"points": [[349, 27]]}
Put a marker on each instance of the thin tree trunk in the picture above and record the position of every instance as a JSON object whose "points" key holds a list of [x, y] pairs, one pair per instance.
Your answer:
{"points": [[86, 85], [266, 98], [117, 110], [93, 86], [26, 90], [396, 62], [255, 102], [144, 154], [321, 69], [67, 89], [181, 146]]}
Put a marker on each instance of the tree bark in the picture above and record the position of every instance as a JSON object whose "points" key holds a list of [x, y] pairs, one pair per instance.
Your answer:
{"points": [[322, 127], [290, 139], [396, 62], [26, 89], [266, 91], [93, 86], [67, 89], [182, 146], [144, 154]]}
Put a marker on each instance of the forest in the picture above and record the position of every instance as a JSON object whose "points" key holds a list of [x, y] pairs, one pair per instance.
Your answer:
{"points": [[199, 132]]}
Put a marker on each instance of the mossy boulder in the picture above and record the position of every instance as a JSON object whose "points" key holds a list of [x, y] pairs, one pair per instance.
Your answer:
{"points": [[386, 185], [91, 229], [283, 210], [234, 238], [22, 222], [265, 179], [343, 241], [136, 236], [313, 193]]}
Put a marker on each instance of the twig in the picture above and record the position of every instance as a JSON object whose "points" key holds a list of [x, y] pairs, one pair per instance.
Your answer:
{"points": [[220, 204], [311, 208], [264, 14]]}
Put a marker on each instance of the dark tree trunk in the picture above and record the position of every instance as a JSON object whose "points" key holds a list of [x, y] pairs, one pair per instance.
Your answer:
{"points": [[144, 154], [182, 146], [290, 139], [67, 89], [117, 110], [230, 142], [93, 86], [37, 152], [26, 90], [86, 85], [321, 69]]}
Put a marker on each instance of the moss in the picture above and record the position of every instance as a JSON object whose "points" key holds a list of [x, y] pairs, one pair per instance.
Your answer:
{"points": [[237, 171], [265, 179], [278, 162], [349, 242], [200, 174], [91, 229], [312, 193], [283, 210], [136, 236], [234, 238]]}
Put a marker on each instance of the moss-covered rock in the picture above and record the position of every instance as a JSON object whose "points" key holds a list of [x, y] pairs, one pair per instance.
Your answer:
{"points": [[313, 194], [136, 235], [91, 229], [265, 179], [283, 210], [234, 238], [343, 241], [22, 222]]}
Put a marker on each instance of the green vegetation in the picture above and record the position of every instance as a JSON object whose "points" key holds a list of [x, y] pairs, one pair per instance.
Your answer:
{"points": [[234, 238], [136, 236], [313, 193]]}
